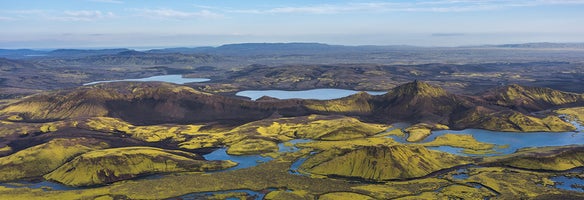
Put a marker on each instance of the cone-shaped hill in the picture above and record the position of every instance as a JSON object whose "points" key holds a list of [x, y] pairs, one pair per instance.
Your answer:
{"points": [[383, 163], [419, 102], [411, 102]]}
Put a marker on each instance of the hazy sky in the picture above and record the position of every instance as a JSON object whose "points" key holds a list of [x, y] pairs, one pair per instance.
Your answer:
{"points": [[167, 23]]}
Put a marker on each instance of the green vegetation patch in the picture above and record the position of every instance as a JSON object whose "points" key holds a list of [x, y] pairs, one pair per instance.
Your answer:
{"points": [[550, 158], [289, 195], [344, 195], [465, 141], [576, 112], [41, 159], [382, 162], [111, 165], [312, 127], [252, 147]]}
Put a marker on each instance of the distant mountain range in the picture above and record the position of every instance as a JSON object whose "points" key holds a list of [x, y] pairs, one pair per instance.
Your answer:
{"points": [[541, 45], [249, 49]]}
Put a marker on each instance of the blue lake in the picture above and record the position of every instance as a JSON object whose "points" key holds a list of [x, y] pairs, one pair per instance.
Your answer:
{"points": [[246, 161], [318, 94], [513, 140], [176, 79]]}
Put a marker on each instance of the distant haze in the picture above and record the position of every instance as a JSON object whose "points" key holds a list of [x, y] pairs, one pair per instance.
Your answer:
{"points": [[171, 23]]}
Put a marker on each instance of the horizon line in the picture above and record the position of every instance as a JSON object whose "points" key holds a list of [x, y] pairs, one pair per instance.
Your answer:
{"points": [[155, 47]]}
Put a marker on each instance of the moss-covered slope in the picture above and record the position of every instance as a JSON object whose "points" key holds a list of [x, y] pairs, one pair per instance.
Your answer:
{"points": [[334, 127], [252, 146], [419, 102], [143, 103], [355, 104], [531, 98], [512, 121], [111, 165], [383, 163], [551, 158], [41, 159]]}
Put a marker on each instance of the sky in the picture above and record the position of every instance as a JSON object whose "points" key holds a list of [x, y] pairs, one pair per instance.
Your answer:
{"points": [[46, 24]]}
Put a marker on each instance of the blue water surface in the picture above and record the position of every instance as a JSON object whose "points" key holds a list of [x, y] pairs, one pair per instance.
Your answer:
{"points": [[318, 94], [176, 79]]}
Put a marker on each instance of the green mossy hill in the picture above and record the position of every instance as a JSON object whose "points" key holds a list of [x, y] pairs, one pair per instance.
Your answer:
{"points": [[577, 113], [344, 195], [418, 88], [355, 104], [311, 127], [252, 147], [417, 102], [148, 133], [382, 162], [512, 121], [111, 165], [530, 99], [90, 101], [461, 141], [550, 158], [23, 129], [513, 183], [145, 103], [41, 159], [288, 195], [419, 131]]}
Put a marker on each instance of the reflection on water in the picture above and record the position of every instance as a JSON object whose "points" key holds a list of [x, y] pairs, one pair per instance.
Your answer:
{"points": [[176, 79], [319, 94]]}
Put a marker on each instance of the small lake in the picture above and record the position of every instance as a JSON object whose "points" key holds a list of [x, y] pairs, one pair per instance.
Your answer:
{"points": [[512, 141], [247, 161], [176, 79], [318, 94]]}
